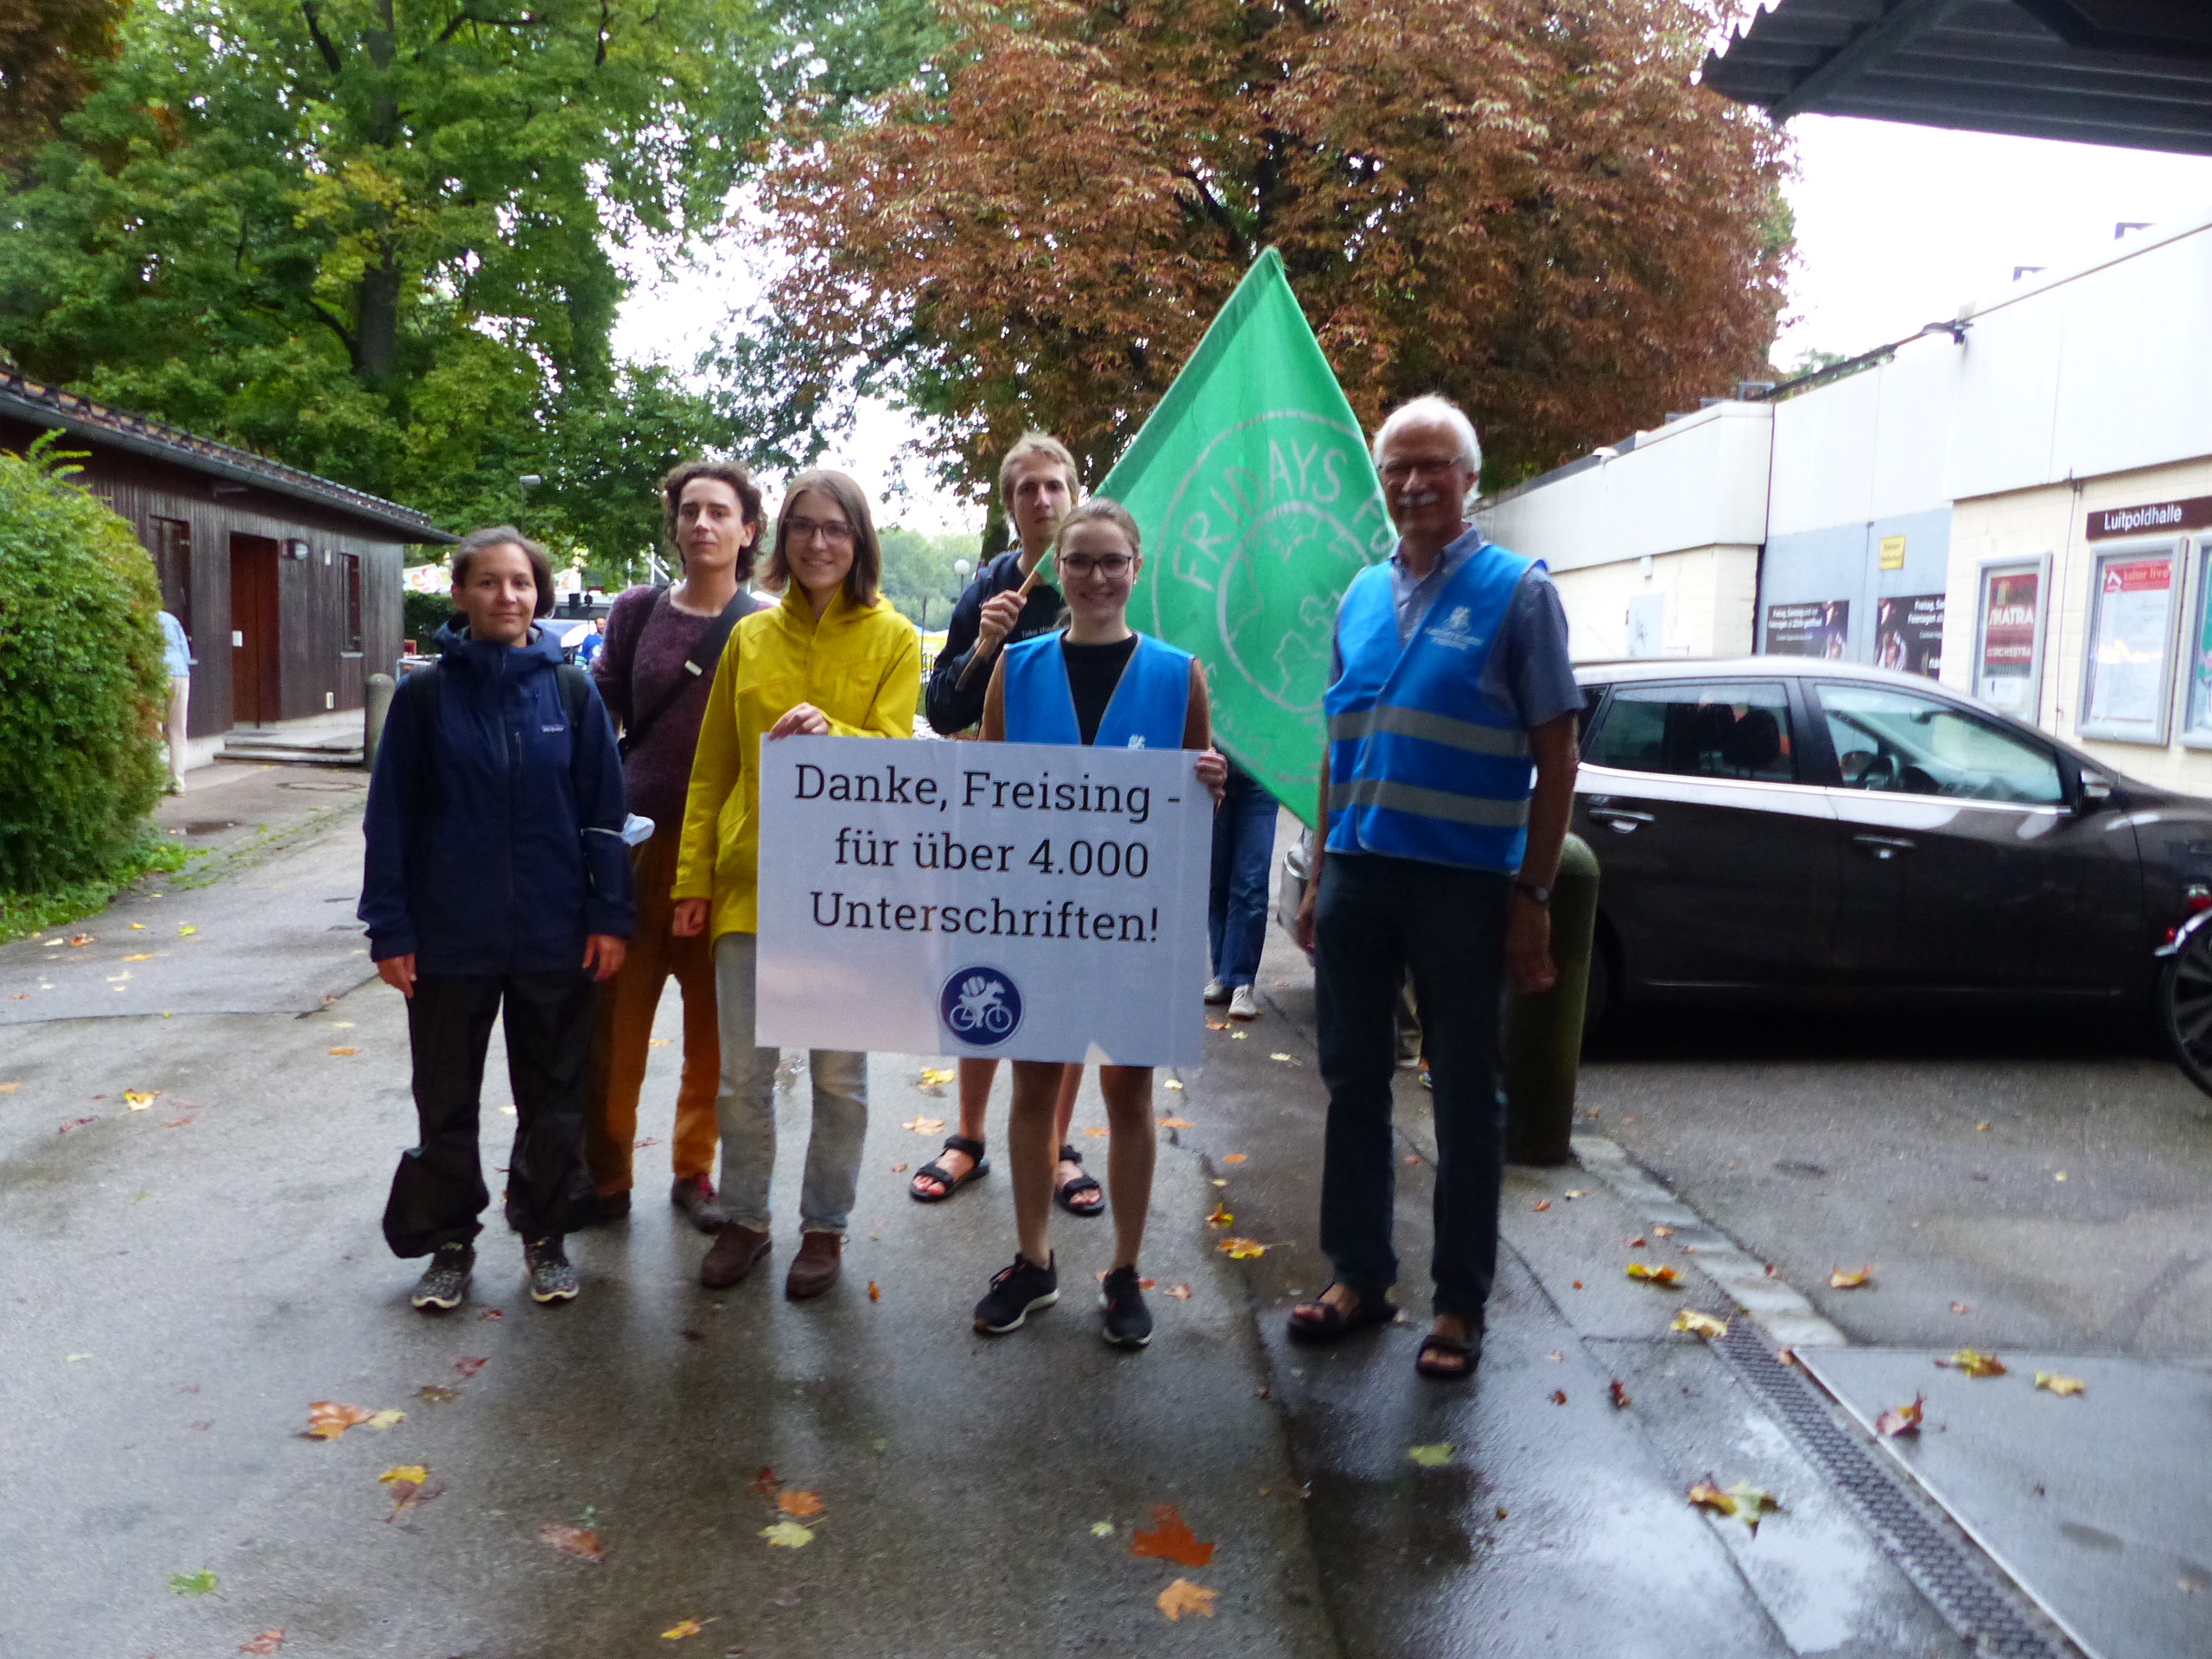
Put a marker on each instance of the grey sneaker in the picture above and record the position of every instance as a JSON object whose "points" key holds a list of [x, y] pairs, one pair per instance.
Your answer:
{"points": [[445, 1282], [1216, 991], [551, 1278], [1243, 1005]]}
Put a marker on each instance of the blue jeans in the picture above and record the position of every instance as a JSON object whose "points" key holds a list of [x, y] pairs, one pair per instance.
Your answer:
{"points": [[1244, 853], [745, 1110], [1374, 919]]}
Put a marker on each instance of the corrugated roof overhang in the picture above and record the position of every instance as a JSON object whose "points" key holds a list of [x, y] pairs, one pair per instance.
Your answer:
{"points": [[2131, 73]]}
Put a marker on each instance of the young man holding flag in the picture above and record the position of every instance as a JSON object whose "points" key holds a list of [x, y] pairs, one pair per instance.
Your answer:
{"points": [[1038, 487]]}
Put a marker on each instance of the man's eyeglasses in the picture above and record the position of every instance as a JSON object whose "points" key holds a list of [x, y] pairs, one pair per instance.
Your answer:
{"points": [[836, 532], [1401, 472], [1110, 564]]}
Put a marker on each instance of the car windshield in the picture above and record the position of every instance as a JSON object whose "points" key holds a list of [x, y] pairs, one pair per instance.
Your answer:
{"points": [[1895, 740]]}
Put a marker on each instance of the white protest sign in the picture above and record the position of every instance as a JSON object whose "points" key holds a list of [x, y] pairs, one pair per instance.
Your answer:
{"points": [[1022, 901]]}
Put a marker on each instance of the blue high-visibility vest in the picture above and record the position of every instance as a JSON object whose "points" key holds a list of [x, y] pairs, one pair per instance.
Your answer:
{"points": [[1422, 763], [1146, 710]]}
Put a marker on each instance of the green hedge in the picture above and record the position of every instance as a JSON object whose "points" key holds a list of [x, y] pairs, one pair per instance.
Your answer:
{"points": [[82, 685]]}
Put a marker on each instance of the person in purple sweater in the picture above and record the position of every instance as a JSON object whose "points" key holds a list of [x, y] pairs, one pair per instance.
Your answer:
{"points": [[653, 673]]}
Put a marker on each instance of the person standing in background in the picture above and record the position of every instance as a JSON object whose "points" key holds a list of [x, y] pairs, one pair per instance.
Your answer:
{"points": [[1236, 906], [1038, 487], [653, 673], [176, 651]]}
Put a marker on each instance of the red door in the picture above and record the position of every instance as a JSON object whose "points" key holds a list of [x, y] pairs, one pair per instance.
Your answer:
{"points": [[256, 690]]}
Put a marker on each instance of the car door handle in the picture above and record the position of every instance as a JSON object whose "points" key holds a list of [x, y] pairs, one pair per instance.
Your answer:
{"points": [[1619, 820], [1884, 847]]}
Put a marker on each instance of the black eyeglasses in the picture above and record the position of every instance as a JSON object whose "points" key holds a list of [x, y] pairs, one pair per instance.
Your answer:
{"points": [[1110, 564], [836, 532]]}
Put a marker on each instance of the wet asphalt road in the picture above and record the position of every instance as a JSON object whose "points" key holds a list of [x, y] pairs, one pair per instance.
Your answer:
{"points": [[181, 1281]]}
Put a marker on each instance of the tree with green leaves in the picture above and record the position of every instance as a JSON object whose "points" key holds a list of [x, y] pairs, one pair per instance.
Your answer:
{"points": [[376, 238]]}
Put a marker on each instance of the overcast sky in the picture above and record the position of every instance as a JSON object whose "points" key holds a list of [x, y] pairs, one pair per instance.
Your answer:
{"points": [[1897, 226]]}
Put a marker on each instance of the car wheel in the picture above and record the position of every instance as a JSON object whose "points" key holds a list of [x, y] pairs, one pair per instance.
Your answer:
{"points": [[2184, 1008]]}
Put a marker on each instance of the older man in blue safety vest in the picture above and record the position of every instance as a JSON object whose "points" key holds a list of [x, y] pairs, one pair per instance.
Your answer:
{"points": [[1445, 788]]}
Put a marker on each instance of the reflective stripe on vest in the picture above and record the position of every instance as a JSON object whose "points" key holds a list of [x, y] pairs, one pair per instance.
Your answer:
{"points": [[1422, 763], [1147, 710]]}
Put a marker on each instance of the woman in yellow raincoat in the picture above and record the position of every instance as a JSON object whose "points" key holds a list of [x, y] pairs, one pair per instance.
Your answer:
{"points": [[833, 659]]}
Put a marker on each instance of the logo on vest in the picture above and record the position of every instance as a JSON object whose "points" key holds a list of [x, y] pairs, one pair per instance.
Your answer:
{"points": [[1137, 742], [980, 1007], [1454, 635]]}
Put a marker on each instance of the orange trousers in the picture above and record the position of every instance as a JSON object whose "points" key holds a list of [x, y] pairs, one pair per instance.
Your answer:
{"points": [[628, 1003]]}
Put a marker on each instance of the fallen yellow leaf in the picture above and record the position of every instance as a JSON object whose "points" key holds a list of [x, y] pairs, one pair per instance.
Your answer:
{"points": [[139, 1099], [936, 1076], [923, 1125], [327, 1419], [385, 1420], [1973, 1363], [137, 927], [1431, 1457], [1703, 1325], [1662, 1232], [413, 1473], [143, 956], [1287, 1060], [681, 1628], [1173, 1084], [1243, 1250], [1747, 1503], [788, 1535], [2052, 1382], [1183, 1597], [344, 1051], [1102, 1529], [1839, 1279], [186, 929], [1220, 1217], [1663, 1275]]}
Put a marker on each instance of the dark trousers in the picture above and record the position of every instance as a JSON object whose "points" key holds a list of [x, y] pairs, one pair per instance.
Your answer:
{"points": [[1236, 903], [1376, 918], [438, 1191]]}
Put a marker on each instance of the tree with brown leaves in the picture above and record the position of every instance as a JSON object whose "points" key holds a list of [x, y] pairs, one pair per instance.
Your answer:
{"points": [[50, 51], [1522, 204]]}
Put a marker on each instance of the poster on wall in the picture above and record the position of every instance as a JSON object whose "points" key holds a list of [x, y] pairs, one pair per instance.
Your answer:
{"points": [[2005, 664], [1819, 628], [2129, 633], [2198, 729], [1909, 634]]}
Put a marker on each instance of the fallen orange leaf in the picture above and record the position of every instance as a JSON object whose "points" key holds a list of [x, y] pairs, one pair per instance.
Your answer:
{"points": [[1243, 1250], [344, 1051], [268, 1641], [1901, 1420], [681, 1628], [1662, 1232], [1093, 1132], [1175, 1124], [767, 1481], [328, 1419], [580, 1542], [874, 1294], [1652, 1275], [1839, 1279], [799, 1503], [1183, 1597], [1180, 1292], [1542, 1203], [1559, 1397], [1170, 1540], [1232, 1157], [1220, 1217], [1618, 1395]]}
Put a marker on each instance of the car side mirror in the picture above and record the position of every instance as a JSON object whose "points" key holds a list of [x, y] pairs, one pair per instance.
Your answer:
{"points": [[2097, 793]]}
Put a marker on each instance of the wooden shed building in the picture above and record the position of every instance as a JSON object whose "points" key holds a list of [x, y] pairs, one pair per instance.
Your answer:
{"points": [[287, 584]]}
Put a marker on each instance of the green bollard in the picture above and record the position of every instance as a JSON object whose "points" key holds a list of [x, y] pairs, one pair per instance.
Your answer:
{"points": [[1540, 1036]]}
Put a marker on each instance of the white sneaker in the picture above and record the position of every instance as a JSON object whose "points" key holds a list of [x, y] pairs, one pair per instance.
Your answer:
{"points": [[1216, 991], [1243, 1005]]}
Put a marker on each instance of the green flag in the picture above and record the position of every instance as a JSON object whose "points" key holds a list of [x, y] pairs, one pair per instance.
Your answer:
{"points": [[1252, 485]]}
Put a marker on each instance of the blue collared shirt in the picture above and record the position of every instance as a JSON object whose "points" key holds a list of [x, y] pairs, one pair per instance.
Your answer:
{"points": [[176, 650]]}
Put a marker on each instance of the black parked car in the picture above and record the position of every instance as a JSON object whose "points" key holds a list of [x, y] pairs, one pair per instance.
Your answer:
{"points": [[1790, 826]]}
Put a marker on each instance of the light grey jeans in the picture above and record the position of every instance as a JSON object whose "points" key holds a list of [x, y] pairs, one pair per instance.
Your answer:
{"points": [[745, 1110]]}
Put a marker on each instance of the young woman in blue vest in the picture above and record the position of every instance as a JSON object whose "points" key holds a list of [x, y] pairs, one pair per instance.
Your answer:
{"points": [[1099, 683]]}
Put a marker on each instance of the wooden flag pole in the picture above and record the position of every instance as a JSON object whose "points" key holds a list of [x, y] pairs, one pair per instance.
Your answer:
{"points": [[976, 660]]}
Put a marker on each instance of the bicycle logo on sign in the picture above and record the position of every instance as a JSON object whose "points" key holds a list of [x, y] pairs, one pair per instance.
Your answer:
{"points": [[979, 1006]]}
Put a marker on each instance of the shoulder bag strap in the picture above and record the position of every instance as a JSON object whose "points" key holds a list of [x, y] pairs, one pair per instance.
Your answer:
{"points": [[700, 665]]}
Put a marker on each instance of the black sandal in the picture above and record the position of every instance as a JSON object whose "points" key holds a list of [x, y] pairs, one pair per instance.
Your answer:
{"points": [[1069, 1192], [1328, 1322], [979, 1167], [1446, 1361]]}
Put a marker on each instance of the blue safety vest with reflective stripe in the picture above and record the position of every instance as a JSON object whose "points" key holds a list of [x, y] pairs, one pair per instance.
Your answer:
{"points": [[1146, 710], [1422, 763]]}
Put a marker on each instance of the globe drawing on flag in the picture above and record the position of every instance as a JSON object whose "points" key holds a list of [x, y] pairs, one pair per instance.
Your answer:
{"points": [[1258, 504]]}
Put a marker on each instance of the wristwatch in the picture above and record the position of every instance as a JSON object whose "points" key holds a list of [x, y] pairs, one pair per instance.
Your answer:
{"points": [[1531, 891]]}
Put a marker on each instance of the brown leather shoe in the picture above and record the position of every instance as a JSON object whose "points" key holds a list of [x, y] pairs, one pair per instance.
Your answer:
{"points": [[815, 1268], [735, 1252]]}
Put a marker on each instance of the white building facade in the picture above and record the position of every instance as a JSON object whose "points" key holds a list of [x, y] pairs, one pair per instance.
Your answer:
{"points": [[2018, 504]]}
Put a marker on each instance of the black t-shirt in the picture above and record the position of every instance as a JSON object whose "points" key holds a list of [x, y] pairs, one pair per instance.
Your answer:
{"points": [[1093, 672]]}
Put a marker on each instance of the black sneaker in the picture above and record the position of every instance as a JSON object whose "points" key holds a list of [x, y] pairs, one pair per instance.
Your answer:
{"points": [[551, 1278], [1016, 1292], [1128, 1321], [445, 1282]]}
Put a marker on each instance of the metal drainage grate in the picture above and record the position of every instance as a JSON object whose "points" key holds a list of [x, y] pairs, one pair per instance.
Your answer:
{"points": [[1958, 1584]]}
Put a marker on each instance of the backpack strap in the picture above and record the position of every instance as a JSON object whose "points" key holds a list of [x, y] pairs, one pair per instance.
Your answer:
{"points": [[420, 691]]}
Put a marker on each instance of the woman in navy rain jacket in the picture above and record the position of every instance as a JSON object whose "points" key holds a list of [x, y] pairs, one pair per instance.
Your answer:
{"points": [[496, 884]]}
